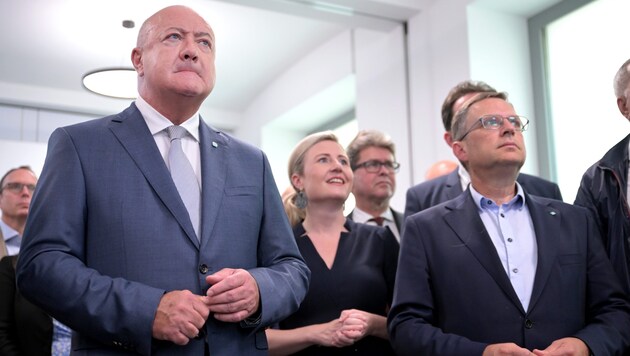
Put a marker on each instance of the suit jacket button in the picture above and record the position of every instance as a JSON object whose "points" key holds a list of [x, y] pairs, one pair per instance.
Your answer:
{"points": [[203, 269], [529, 324]]}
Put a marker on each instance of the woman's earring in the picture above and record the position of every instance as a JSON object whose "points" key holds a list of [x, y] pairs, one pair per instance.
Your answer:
{"points": [[300, 200]]}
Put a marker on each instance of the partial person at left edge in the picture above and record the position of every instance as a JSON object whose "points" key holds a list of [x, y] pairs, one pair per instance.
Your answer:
{"points": [[16, 190], [140, 262], [25, 329]]}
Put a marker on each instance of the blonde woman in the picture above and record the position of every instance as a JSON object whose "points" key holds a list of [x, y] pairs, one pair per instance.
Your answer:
{"points": [[353, 266]]}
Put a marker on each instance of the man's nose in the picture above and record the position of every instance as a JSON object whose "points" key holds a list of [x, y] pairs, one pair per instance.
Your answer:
{"points": [[189, 52], [507, 128]]}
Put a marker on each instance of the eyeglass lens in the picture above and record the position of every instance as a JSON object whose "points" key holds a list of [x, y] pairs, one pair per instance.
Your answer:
{"points": [[495, 121], [18, 187], [375, 166]]}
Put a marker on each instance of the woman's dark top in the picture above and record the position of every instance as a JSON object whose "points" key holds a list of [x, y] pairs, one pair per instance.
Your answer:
{"points": [[362, 277]]}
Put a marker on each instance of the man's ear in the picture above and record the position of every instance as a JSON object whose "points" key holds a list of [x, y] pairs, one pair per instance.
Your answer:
{"points": [[460, 151], [136, 60], [623, 109], [448, 138]]}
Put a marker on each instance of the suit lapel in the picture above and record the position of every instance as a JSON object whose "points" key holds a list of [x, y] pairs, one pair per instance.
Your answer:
{"points": [[134, 135], [546, 220], [399, 219], [213, 148], [465, 221]]}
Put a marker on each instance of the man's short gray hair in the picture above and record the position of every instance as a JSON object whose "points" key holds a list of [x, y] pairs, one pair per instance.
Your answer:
{"points": [[622, 78]]}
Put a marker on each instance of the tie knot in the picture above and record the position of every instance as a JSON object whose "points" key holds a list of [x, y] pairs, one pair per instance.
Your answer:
{"points": [[175, 132], [378, 220]]}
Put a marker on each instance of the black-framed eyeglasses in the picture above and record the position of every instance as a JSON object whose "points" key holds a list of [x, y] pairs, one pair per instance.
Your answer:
{"points": [[494, 122], [18, 187], [374, 166]]}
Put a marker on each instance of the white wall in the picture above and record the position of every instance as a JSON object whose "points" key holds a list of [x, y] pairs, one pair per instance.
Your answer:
{"points": [[456, 40], [499, 55], [382, 101], [438, 59], [17, 153], [318, 70], [586, 120]]}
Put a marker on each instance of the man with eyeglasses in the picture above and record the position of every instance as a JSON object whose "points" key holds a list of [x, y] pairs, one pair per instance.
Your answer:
{"points": [[497, 271], [372, 157], [605, 191], [449, 186], [16, 190]]}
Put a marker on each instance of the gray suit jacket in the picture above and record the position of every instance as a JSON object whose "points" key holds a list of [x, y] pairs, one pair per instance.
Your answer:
{"points": [[108, 235]]}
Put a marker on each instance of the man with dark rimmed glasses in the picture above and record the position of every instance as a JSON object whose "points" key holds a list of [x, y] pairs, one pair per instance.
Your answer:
{"points": [[372, 157], [16, 190]]}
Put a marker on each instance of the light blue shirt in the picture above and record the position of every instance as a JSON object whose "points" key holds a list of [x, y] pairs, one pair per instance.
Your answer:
{"points": [[62, 339], [11, 238], [512, 232]]}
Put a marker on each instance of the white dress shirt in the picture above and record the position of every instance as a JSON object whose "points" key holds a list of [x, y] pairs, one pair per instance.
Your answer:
{"points": [[157, 124], [361, 216]]}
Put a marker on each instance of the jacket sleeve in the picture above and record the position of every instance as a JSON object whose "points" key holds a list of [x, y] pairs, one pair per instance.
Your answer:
{"points": [[52, 271], [282, 274], [608, 309], [587, 199]]}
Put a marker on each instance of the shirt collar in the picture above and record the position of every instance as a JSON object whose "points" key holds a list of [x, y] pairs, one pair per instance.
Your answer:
{"points": [[464, 177], [484, 203], [158, 122], [7, 231], [361, 216]]}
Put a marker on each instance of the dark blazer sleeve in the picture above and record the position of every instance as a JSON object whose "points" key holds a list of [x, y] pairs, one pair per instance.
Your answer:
{"points": [[414, 312], [608, 308]]}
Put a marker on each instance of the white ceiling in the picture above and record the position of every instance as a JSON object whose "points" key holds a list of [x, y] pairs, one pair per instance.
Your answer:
{"points": [[51, 44]]}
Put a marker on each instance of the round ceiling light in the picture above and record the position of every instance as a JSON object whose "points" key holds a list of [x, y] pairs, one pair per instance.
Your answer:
{"points": [[113, 82]]}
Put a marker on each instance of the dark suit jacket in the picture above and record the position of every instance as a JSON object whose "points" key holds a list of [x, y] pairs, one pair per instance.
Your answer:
{"points": [[109, 234], [453, 297], [438, 190], [399, 219], [24, 328]]}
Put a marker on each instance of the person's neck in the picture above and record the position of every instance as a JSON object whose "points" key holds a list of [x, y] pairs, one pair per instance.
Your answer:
{"points": [[373, 207], [176, 108], [16, 223], [323, 219], [499, 186]]}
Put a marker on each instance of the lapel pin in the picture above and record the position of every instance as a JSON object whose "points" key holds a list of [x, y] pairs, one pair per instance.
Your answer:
{"points": [[552, 213], [214, 144]]}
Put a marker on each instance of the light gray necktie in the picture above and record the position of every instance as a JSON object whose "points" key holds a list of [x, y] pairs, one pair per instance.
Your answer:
{"points": [[183, 175]]}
